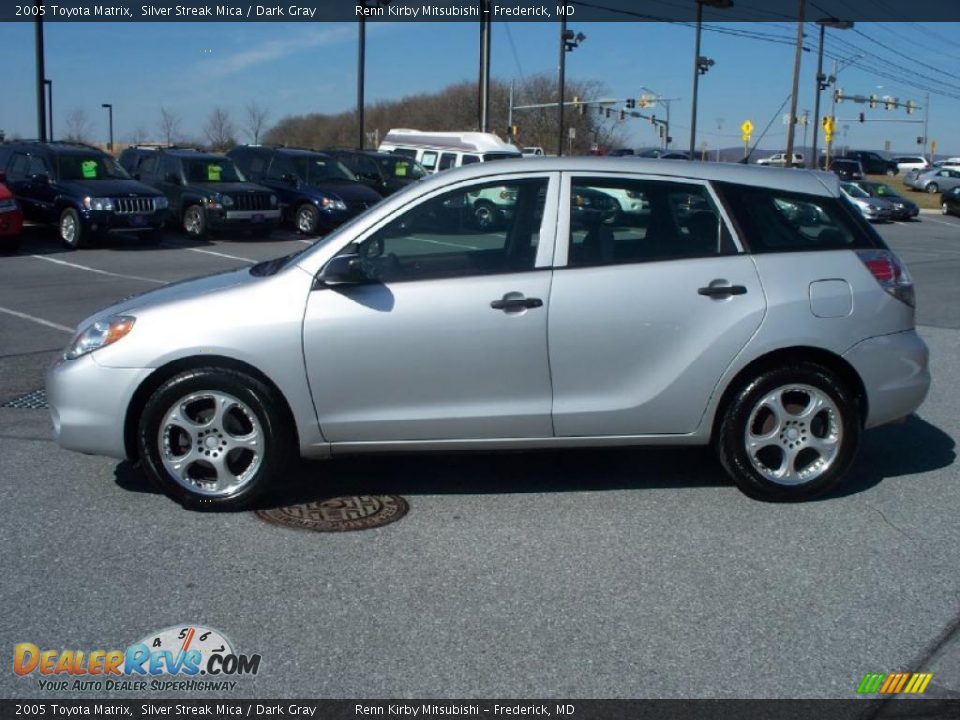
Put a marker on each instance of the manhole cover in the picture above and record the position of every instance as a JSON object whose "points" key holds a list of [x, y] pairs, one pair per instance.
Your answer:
{"points": [[36, 400], [339, 514]]}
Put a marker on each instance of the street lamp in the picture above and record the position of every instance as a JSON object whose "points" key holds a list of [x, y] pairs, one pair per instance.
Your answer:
{"points": [[701, 65], [109, 108], [361, 65], [568, 43], [49, 84], [823, 82]]}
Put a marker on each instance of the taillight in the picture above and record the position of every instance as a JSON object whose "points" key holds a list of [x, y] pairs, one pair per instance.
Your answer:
{"points": [[891, 273]]}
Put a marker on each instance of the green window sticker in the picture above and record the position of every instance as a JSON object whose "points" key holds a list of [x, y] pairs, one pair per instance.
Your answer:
{"points": [[89, 169], [400, 170], [213, 173]]}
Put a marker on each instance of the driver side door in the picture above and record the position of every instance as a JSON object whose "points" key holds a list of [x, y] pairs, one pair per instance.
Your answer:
{"points": [[447, 339]]}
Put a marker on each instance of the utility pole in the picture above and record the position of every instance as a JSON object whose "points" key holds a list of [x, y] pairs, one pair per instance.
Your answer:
{"points": [[696, 82], [49, 84], [806, 124], [41, 73], [791, 128], [562, 80], [361, 71], [484, 65], [926, 127], [833, 113]]}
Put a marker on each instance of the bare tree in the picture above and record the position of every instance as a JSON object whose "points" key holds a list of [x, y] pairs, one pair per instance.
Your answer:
{"points": [[139, 136], [78, 127], [220, 130], [257, 115], [169, 125]]}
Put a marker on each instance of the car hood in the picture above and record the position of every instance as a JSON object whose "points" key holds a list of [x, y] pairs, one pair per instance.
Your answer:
{"points": [[109, 188], [346, 190], [176, 292], [232, 188]]}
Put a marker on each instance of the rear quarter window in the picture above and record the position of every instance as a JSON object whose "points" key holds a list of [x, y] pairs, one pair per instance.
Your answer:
{"points": [[778, 221]]}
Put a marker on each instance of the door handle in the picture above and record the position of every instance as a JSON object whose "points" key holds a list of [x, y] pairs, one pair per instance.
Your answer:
{"points": [[513, 304], [722, 290]]}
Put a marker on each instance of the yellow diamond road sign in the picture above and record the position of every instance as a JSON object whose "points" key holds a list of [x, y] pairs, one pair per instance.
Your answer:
{"points": [[747, 127]]}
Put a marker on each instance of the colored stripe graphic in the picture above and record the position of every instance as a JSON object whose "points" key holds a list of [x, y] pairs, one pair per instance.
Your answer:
{"points": [[893, 683], [870, 683]]}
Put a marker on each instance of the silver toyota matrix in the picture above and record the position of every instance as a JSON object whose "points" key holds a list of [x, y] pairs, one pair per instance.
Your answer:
{"points": [[520, 304]]}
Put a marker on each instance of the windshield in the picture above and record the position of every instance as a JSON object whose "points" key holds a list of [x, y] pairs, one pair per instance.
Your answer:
{"points": [[881, 190], [90, 167], [315, 169], [854, 191], [212, 170], [397, 167]]}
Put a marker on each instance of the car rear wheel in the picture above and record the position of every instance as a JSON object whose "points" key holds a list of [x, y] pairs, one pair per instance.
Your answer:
{"points": [[194, 221], [214, 438], [72, 234], [933, 188], [944, 210], [307, 219], [891, 172], [789, 434], [485, 215]]}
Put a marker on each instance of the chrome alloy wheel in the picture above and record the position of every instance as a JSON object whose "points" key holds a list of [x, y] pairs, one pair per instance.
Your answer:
{"points": [[794, 434], [211, 443], [68, 228], [192, 221], [305, 220]]}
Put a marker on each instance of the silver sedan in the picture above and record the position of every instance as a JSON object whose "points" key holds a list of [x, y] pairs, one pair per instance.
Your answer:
{"points": [[933, 181], [747, 308]]}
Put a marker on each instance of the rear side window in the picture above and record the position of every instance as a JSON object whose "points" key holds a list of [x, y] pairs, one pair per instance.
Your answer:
{"points": [[779, 221]]}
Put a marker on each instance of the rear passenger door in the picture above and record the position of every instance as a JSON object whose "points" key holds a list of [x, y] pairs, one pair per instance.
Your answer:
{"points": [[651, 300]]}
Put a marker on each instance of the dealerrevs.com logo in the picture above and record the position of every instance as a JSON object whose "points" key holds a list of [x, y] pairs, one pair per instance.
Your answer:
{"points": [[181, 659]]}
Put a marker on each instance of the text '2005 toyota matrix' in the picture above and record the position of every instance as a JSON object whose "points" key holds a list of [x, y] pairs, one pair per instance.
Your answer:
{"points": [[520, 304]]}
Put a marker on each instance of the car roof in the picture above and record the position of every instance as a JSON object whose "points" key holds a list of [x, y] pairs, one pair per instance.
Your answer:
{"points": [[58, 146], [813, 182]]}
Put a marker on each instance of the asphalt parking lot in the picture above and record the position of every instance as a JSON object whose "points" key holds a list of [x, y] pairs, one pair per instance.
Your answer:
{"points": [[591, 574]]}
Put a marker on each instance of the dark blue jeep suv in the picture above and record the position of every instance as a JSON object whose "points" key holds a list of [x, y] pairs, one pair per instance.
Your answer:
{"points": [[81, 189], [317, 193]]}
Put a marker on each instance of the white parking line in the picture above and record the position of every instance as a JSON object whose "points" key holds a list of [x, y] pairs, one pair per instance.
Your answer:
{"points": [[24, 316], [98, 271], [306, 242], [943, 222], [223, 255]]}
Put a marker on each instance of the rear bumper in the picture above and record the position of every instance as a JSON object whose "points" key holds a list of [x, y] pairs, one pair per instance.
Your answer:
{"points": [[895, 370]]}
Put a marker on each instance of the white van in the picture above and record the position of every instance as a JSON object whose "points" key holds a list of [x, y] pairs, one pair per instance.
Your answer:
{"points": [[443, 150]]}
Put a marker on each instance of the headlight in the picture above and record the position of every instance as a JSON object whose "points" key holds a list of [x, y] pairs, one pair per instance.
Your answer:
{"points": [[93, 203], [273, 201], [333, 204], [99, 335], [161, 203], [8, 205], [226, 200]]}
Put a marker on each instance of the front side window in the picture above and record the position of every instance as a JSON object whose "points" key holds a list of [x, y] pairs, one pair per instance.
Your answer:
{"points": [[625, 221], [18, 167], [314, 169], [481, 230], [447, 161], [402, 168], [429, 159], [470, 159]]}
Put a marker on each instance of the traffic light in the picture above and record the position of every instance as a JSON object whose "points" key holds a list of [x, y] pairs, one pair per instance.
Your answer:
{"points": [[607, 111], [873, 102], [889, 103], [911, 106], [514, 130], [862, 117], [653, 119], [631, 103], [838, 95], [623, 115]]}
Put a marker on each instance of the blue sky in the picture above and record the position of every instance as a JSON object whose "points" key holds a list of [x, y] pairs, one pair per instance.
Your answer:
{"points": [[297, 68]]}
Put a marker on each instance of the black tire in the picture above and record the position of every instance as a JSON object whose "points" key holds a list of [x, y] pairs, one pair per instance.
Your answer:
{"points": [[891, 172], [746, 406], [194, 221], [486, 216], [933, 188], [277, 447], [70, 229], [154, 236], [10, 244], [262, 233], [306, 219]]}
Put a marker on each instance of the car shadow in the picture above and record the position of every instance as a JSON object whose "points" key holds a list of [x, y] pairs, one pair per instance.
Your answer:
{"points": [[886, 453]]}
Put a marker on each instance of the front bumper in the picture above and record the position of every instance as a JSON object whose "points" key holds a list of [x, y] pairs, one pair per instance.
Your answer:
{"points": [[243, 218], [895, 370], [107, 221], [88, 404]]}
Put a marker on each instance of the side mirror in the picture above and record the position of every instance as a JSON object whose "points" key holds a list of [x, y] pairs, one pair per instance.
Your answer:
{"points": [[40, 178], [172, 178], [344, 270], [289, 179]]}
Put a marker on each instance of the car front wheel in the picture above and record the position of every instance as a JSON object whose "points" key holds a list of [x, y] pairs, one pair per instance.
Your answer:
{"points": [[933, 188], [194, 221], [790, 434], [72, 234], [307, 219], [214, 438], [944, 210]]}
